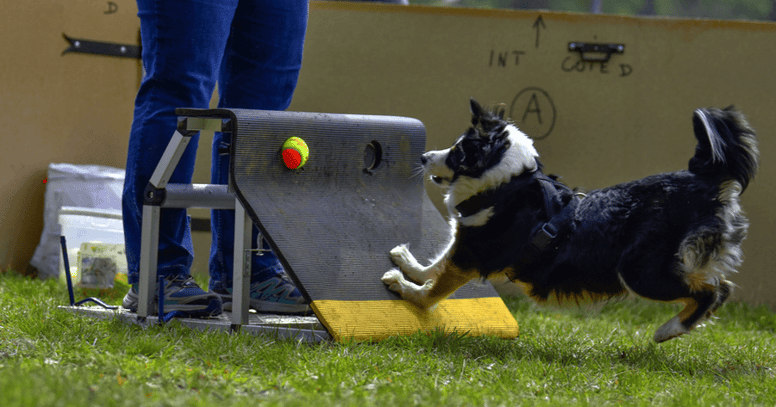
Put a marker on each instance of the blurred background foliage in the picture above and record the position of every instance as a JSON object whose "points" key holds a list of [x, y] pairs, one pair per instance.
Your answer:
{"points": [[715, 9]]}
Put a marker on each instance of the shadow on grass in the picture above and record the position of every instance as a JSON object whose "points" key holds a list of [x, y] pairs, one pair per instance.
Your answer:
{"points": [[609, 345]]}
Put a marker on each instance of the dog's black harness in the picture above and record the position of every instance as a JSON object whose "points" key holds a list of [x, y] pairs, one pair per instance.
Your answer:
{"points": [[559, 215]]}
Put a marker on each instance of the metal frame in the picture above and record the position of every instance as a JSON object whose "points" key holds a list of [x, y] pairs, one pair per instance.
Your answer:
{"points": [[308, 329], [159, 194]]}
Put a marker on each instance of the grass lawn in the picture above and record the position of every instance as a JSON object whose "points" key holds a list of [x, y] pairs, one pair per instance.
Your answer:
{"points": [[51, 357]]}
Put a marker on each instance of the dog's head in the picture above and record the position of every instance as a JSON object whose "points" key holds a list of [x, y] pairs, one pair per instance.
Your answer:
{"points": [[487, 155]]}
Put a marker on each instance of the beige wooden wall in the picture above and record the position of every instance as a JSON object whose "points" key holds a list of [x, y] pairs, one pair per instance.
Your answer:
{"points": [[599, 124], [73, 108]]}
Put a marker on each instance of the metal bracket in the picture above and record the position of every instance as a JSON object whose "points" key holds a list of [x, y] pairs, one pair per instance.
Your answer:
{"points": [[259, 250], [600, 52], [172, 154], [204, 123], [112, 49], [153, 195]]}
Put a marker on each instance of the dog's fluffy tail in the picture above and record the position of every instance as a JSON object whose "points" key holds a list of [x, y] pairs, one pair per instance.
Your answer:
{"points": [[727, 146]]}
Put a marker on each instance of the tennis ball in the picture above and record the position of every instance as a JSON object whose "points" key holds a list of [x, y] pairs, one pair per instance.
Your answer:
{"points": [[295, 153]]}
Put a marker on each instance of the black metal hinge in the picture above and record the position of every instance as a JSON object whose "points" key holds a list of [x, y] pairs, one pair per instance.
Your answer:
{"points": [[112, 49]]}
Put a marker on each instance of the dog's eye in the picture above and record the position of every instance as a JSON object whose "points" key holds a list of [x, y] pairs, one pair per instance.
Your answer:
{"points": [[471, 153], [457, 155], [454, 157], [469, 147]]}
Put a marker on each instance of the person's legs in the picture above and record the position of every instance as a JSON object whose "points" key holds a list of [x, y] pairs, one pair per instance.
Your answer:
{"points": [[259, 71], [183, 43]]}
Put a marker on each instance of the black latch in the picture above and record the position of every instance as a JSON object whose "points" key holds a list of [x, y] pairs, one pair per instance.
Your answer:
{"points": [[590, 52]]}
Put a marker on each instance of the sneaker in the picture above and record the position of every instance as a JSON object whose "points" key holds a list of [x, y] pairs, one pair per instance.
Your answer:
{"points": [[275, 295], [181, 294]]}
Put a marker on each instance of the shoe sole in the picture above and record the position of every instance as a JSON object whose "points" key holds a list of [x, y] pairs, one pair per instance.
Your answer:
{"points": [[187, 311], [265, 307]]}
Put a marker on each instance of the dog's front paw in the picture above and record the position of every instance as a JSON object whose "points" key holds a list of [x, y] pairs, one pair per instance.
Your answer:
{"points": [[394, 279], [401, 256], [409, 291]]}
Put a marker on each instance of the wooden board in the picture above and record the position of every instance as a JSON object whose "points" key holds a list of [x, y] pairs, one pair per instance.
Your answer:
{"points": [[609, 123], [72, 107]]}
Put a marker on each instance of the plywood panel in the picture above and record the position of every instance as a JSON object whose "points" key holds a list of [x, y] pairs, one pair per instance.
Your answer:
{"points": [[74, 108], [611, 123]]}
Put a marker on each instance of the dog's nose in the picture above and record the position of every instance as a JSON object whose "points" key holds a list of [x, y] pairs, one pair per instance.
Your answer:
{"points": [[423, 159]]}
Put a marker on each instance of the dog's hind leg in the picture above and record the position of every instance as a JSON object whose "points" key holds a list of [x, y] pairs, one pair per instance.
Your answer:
{"points": [[700, 291], [706, 257], [725, 289], [699, 299], [696, 308]]}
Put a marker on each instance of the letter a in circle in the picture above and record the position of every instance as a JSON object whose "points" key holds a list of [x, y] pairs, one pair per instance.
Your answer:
{"points": [[534, 112], [533, 107]]}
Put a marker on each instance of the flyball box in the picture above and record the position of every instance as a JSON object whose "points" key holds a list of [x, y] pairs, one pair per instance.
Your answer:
{"points": [[333, 221]]}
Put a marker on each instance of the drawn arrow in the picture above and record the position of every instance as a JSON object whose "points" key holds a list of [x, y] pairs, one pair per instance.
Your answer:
{"points": [[538, 25]]}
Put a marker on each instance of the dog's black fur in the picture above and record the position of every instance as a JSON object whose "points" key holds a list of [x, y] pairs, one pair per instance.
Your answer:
{"points": [[668, 237]]}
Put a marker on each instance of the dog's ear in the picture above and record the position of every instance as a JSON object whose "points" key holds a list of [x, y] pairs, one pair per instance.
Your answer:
{"points": [[477, 111], [488, 124], [501, 111]]}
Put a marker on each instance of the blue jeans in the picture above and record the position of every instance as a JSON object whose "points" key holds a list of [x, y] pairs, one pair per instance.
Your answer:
{"points": [[253, 48]]}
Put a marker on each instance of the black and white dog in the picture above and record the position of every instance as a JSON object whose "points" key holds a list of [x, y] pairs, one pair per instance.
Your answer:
{"points": [[668, 237]]}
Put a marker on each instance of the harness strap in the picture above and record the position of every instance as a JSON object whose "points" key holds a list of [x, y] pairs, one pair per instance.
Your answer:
{"points": [[487, 199], [556, 227], [559, 216], [558, 223]]}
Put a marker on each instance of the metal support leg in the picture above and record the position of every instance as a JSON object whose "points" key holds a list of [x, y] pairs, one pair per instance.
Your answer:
{"points": [[243, 226], [159, 194], [149, 238], [149, 252]]}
